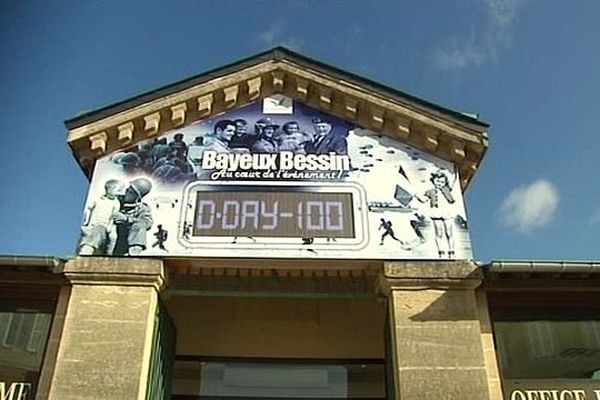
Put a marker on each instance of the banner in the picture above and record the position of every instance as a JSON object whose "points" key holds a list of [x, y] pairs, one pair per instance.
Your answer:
{"points": [[275, 178]]}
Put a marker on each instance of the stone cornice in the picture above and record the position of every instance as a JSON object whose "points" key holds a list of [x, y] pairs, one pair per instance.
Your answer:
{"points": [[114, 271], [417, 275], [429, 129]]}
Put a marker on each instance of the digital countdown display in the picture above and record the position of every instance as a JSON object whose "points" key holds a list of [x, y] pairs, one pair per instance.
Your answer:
{"points": [[235, 214], [273, 214]]}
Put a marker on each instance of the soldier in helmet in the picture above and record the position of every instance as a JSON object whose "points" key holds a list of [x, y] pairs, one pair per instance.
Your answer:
{"points": [[130, 162], [266, 142], [179, 146], [260, 125], [172, 169], [134, 219]]}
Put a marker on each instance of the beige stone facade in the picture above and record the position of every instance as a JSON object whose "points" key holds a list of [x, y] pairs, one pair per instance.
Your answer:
{"points": [[101, 343], [435, 323], [107, 327], [430, 321]]}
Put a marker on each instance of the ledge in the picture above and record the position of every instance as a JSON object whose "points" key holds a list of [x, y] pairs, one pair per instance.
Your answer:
{"points": [[34, 263], [462, 274], [116, 271]]}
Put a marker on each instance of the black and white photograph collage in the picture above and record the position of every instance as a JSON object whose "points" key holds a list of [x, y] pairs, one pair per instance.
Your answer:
{"points": [[413, 208]]}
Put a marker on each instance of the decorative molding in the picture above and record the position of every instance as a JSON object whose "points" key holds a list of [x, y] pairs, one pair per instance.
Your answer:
{"points": [[376, 117], [466, 171], [98, 143], [468, 168], [458, 151], [178, 114], [350, 107], [278, 80], [152, 123], [442, 137], [205, 105], [125, 135], [430, 139], [325, 98], [302, 88], [254, 86], [392, 106], [231, 96], [403, 127]]}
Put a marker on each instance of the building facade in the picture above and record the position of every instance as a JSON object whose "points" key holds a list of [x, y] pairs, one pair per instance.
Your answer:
{"points": [[280, 229]]}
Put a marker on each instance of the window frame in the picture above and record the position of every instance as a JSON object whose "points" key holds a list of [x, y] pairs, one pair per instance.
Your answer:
{"points": [[295, 361]]}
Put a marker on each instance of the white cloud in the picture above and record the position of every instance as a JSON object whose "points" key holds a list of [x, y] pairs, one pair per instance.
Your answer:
{"points": [[274, 35], [502, 12], [269, 36], [456, 54], [530, 206]]}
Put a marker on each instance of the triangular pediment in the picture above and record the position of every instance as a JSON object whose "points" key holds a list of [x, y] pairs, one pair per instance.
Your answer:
{"points": [[444, 133]]}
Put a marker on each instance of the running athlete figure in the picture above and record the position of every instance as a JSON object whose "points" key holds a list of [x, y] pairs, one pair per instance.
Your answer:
{"points": [[387, 231], [161, 237]]}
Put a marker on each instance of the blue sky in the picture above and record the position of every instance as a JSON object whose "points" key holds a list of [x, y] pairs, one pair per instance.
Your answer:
{"points": [[529, 68]]}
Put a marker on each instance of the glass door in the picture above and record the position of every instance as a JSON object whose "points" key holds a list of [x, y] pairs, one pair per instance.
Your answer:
{"points": [[197, 378]]}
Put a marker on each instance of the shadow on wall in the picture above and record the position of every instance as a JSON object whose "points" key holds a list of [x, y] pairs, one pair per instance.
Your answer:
{"points": [[435, 291]]}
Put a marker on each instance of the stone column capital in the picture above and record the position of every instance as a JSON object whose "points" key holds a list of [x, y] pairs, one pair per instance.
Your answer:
{"points": [[445, 275], [116, 271]]}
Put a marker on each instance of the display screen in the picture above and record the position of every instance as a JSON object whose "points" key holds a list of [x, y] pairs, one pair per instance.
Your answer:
{"points": [[301, 214]]}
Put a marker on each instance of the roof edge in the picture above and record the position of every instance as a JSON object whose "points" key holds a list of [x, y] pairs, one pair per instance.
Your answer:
{"points": [[542, 266], [102, 112], [47, 263], [277, 53]]}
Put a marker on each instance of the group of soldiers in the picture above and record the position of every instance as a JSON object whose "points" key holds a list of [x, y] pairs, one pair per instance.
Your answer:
{"points": [[164, 161], [269, 137], [176, 161]]}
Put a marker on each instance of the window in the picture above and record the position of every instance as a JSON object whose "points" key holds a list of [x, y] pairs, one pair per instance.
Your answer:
{"points": [[541, 338], [29, 290], [547, 343], [24, 331], [22, 341], [273, 379], [26, 312]]}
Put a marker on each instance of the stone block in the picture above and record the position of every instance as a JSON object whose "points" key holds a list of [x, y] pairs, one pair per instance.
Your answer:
{"points": [[104, 348], [109, 265], [442, 384], [437, 337], [441, 344]]}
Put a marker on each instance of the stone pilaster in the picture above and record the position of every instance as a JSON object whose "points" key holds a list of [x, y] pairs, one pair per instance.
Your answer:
{"points": [[106, 339], [435, 330]]}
